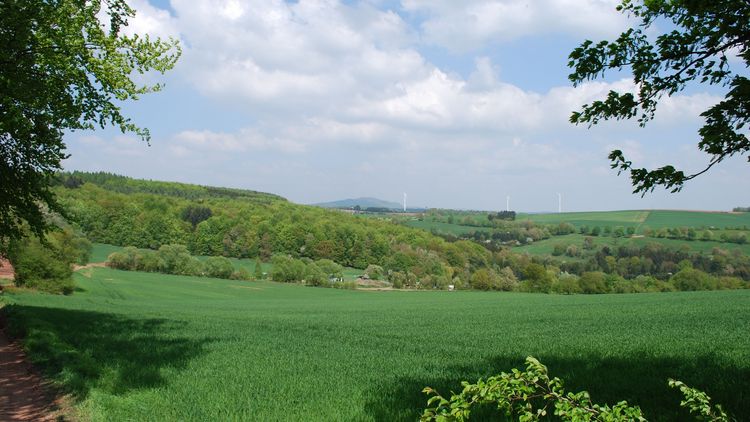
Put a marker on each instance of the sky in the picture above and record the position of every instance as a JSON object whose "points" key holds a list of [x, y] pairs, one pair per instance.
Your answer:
{"points": [[460, 104]]}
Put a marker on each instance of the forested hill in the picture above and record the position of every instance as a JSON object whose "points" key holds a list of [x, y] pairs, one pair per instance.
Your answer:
{"points": [[214, 221], [124, 184]]}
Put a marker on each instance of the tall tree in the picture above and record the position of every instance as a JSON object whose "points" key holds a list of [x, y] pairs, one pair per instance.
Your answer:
{"points": [[695, 50], [64, 65]]}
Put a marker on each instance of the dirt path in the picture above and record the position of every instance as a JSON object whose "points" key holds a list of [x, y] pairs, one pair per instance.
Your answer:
{"points": [[89, 265], [6, 270], [23, 394]]}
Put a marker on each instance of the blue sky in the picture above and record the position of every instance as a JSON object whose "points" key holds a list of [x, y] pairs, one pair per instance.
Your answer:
{"points": [[459, 104]]}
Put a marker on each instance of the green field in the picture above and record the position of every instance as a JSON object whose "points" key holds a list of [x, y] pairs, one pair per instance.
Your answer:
{"points": [[663, 218], [545, 247], [100, 252], [591, 219], [644, 218], [139, 346]]}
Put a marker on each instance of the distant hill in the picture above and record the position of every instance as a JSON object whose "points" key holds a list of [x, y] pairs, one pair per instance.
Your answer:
{"points": [[128, 185], [362, 202]]}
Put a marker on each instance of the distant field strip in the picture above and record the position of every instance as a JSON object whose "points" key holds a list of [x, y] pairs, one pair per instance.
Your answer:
{"points": [[139, 346], [546, 246], [664, 218], [603, 218]]}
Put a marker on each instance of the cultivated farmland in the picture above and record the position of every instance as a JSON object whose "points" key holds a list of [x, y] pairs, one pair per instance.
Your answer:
{"points": [[139, 346]]}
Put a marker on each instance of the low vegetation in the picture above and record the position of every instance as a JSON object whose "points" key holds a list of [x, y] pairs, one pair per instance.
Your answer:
{"points": [[531, 395], [46, 263], [147, 346]]}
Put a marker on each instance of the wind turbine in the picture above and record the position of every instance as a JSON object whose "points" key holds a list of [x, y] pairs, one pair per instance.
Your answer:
{"points": [[404, 201], [507, 203], [559, 202]]}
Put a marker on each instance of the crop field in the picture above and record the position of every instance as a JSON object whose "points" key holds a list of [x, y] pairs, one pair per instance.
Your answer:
{"points": [[141, 346], [602, 219], [654, 219], [101, 251], [663, 218], [546, 246], [640, 219]]}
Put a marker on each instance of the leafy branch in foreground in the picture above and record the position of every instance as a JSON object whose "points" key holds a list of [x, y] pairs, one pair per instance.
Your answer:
{"points": [[532, 395], [63, 68], [695, 51]]}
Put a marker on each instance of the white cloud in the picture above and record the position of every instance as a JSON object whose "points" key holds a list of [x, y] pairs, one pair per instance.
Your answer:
{"points": [[242, 141], [341, 97], [470, 24]]}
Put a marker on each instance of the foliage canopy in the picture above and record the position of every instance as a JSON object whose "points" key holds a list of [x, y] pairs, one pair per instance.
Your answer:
{"points": [[64, 65], [696, 50]]}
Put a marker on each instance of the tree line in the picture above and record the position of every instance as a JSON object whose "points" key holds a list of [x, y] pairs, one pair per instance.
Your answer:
{"points": [[296, 237]]}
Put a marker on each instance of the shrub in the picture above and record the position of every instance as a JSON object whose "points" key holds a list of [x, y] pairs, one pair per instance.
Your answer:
{"points": [[331, 269], [258, 270], [689, 279], [537, 279], [593, 282], [218, 267], [47, 265], [315, 276], [532, 395], [506, 280], [482, 279], [566, 284], [287, 269], [241, 274], [374, 272]]}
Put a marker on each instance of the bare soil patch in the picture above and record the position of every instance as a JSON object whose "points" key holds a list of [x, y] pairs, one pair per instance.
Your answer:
{"points": [[24, 395], [6, 270]]}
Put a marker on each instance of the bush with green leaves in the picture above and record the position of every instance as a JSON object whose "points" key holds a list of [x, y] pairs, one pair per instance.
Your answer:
{"points": [[287, 269], [47, 264], [531, 395], [219, 267], [374, 272]]}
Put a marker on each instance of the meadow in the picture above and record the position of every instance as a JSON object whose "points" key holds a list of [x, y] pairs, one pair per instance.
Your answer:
{"points": [[142, 346], [546, 246], [641, 219]]}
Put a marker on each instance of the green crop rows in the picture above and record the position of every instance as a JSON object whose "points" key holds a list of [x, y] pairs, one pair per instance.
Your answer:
{"points": [[546, 246], [138, 346]]}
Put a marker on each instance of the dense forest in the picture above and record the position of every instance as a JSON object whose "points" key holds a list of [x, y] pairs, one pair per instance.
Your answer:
{"points": [[246, 224]]}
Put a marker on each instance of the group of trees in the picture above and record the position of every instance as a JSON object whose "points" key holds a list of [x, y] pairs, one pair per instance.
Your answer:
{"points": [[691, 233], [45, 263], [303, 238], [320, 273], [176, 259], [502, 215], [66, 65]]}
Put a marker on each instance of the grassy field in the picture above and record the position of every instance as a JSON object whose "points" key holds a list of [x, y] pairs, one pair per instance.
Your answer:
{"points": [[545, 247], [591, 219], [659, 219], [138, 346], [101, 251], [654, 219]]}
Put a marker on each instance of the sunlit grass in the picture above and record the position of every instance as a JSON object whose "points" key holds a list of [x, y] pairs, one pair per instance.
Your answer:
{"points": [[138, 346]]}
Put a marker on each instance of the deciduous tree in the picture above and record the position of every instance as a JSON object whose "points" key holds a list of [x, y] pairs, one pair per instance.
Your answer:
{"points": [[704, 33], [64, 65]]}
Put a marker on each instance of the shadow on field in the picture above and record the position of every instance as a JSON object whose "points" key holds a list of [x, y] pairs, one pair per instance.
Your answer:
{"points": [[83, 349], [641, 380]]}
